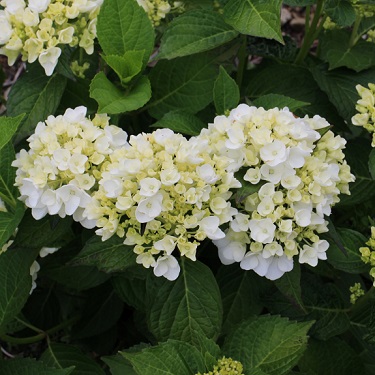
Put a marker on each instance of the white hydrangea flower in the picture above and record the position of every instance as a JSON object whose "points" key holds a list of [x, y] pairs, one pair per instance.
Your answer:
{"points": [[298, 176], [168, 267], [157, 10]]}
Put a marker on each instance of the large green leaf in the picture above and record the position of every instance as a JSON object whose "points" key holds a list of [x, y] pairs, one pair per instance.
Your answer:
{"points": [[351, 261], [269, 343], [184, 84], [255, 17], [331, 357], [170, 358], [192, 303], [290, 285], [280, 78], [337, 51], [36, 95], [239, 294], [8, 126], [15, 282], [226, 92], [61, 355], [340, 11], [108, 256], [339, 85], [270, 101], [28, 366], [181, 122], [124, 26], [119, 365], [195, 31], [113, 100]]}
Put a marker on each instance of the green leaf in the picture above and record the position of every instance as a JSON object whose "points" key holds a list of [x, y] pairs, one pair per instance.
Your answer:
{"points": [[170, 358], [290, 285], [102, 311], [255, 17], [181, 122], [8, 126], [61, 355], [270, 101], [119, 365], [124, 26], [15, 282], [28, 366], [195, 31], [367, 23], [191, 304], [340, 84], [337, 51], [36, 95], [350, 262], [38, 233], [269, 343], [340, 11], [113, 100], [226, 92], [331, 357], [127, 66], [273, 77], [108, 256], [183, 84], [240, 298], [299, 3], [363, 189]]}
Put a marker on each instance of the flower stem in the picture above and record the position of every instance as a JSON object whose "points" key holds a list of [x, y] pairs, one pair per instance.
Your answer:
{"points": [[354, 37], [242, 58], [311, 33]]}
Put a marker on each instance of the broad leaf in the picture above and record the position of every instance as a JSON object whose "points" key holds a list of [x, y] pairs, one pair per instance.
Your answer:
{"points": [[8, 126], [28, 366], [15, 282], [351, 261], [270, 101], [190, 304], [226, 92], [183, 84], [340, 11], [240, 297], [255, 17], [337, 52], [170, 358], [371, 163], [108, 256], [290, 285], [36, 95], [124, 26], [61, 356], [113, 100], [181, 122], [118, 365], [269, 343], [193, 32], [127, 66], [331, 357]]}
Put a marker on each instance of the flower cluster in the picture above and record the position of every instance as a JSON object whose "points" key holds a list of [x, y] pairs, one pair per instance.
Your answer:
{"points": [[366, 108], [157, 10], [368, 253], [226, 366], [163, 193], [296, 176], [37, 29], [66, 156]]}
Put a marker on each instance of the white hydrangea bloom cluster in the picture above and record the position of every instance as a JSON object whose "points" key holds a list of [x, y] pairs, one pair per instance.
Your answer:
{"points": [[164, 193], [37, 29], [61, 169], [298, 175], [366, 109], [157, 10]]}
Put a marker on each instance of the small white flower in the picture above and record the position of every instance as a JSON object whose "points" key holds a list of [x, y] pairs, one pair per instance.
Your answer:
{"points": [[39, 6], [255, 262], [274, 153], [207, 173], [6, 30], [167, 244], [149, 186], [149, 208], [210, 226], [232, 252], [311, 254], [44, 251], [278, 266], [168, 267], [262, 230], [252, 175], [169, 176], [49, 58]]}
